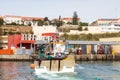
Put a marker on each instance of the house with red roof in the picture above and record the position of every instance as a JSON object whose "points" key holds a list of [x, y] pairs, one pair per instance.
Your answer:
{"points": [[9, 19], [69, 19], [31, 20], [21, 20]]}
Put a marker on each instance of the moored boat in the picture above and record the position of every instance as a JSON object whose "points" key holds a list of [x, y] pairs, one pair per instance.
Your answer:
{"points": [[55, 61]]}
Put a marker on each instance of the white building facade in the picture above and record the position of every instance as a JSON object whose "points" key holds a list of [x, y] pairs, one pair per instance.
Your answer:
{"points": [[8, 19], [97, 29], [39, 30], [28, 21]]}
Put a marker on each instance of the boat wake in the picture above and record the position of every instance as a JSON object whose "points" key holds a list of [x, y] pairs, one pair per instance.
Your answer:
{"points": [[77, 66], [57, 76], [60, 76]]}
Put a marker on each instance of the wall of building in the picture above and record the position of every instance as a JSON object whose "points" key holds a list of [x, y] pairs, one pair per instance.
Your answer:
{"points": [[8, 19], [11, 19], [96, 30], [39, 30], [110, 39], [115, 48], [13, 41], [105, 22]]}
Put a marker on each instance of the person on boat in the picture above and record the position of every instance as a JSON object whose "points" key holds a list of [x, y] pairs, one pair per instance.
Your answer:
{"points": [[41, 55], [49, 56], [58, 55], [41, 52]]}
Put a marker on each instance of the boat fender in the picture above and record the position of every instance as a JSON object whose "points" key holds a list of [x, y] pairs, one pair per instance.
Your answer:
{"points": [[32, 66]]}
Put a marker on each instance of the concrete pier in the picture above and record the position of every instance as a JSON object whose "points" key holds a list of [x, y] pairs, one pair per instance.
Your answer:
{"points": [[17, 57], [96, 57]]}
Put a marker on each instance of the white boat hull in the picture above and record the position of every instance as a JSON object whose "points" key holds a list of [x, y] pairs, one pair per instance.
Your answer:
{"points": [[55, 66], [43, 69]]}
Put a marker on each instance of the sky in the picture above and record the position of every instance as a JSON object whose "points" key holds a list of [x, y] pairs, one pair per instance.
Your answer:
{"points": [[87, 10]]}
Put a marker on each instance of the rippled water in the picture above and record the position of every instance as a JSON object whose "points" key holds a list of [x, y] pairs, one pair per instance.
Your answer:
{"points": [[96, 70]]}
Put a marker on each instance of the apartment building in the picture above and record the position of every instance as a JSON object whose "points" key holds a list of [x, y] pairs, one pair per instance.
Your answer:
{"points": [[96, 30], [8, 19], [39, 30], [21, 20], [106, 22], [31, 20]]}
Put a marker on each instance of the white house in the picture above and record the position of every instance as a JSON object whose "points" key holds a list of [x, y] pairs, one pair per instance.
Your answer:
{"points": [[31, 20], [8, 19], [105, 22], [39, 30], [97, 29]]}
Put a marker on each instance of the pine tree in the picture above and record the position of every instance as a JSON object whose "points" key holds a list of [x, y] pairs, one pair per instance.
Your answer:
{"points": [[75, 19]]}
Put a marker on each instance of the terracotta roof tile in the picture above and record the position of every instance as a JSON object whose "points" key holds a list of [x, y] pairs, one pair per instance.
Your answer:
{"points": [[24, 18], [69, 19], [108, 19], [32, 18], [12, 16]]}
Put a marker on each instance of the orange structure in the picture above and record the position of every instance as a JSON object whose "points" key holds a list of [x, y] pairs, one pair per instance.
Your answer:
{"points": [[6, 51]]}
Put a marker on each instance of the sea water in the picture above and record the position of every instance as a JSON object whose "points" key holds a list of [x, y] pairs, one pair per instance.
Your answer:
{"points": [[91, 70]]}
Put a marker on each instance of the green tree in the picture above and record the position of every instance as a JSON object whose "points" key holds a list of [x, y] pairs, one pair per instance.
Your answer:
{"points": [[69, 23], [13, 23], [80, 28], [1, 22], [86, 29], [11, 33], [46, 21], [40, 23], [31, 32], [59, 23], [18, 33], [90, 37], [83, 24], [65, 36], [29, 24], [0, 31], [75, 18]]}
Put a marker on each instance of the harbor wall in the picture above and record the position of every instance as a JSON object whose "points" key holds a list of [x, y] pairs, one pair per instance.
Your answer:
{"points": [[85, 57], [97, 57], [15, 57]]}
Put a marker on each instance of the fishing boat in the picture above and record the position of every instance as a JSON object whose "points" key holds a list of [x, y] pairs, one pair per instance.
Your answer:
{"points": [[56, 60]]}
